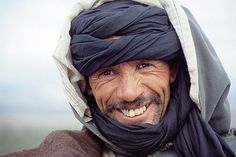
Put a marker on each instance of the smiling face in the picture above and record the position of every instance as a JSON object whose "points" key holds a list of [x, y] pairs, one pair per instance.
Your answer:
{"points": [[133, 92]]}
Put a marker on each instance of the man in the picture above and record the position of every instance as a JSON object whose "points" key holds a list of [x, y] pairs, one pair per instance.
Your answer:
{"points": [[144, 81]]}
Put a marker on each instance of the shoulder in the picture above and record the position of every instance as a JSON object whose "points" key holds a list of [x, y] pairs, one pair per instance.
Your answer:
{"points": [[67, 143], [79, 143]]}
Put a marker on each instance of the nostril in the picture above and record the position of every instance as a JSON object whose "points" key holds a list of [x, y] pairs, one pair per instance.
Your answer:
{"points": [[128, 94]]}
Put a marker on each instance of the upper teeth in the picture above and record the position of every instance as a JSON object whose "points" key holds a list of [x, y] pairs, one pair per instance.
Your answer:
{"points": [[134, 112]]}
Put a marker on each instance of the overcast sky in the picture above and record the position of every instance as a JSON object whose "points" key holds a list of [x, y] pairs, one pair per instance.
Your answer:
{"points": [[30, 29]]}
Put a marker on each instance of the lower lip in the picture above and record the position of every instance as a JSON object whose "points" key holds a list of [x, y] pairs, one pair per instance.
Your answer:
{"points": [[139, 119]]}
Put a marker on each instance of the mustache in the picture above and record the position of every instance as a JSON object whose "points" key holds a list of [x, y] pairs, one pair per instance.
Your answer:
{"points": [[141, 100]]}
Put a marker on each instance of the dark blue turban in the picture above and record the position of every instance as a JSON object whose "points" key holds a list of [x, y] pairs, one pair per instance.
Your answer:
{"points": [[145, 33]]}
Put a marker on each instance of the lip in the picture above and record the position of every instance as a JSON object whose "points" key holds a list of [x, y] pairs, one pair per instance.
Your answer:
{"points": [[139, 119]]}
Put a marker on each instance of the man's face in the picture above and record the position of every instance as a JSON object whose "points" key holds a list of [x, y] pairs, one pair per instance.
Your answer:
{"points": [[133, 92]]}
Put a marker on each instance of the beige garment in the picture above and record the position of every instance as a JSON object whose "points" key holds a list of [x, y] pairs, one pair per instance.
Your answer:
{"points": [[65, 144]]}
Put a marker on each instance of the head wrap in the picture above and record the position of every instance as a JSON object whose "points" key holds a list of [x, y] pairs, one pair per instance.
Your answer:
{"points": [[145, 33]]}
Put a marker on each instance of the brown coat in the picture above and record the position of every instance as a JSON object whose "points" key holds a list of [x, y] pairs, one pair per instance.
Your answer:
{"points": [[65, 144]]}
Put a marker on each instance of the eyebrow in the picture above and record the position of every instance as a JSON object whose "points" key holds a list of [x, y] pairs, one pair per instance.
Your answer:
{"points": [[102, 69]]}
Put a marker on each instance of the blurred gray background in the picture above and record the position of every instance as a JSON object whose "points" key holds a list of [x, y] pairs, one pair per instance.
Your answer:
{"points": [[32, 103]]}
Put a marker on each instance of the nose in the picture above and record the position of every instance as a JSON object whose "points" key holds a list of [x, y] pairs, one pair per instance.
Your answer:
{"points": [[129, 89]]}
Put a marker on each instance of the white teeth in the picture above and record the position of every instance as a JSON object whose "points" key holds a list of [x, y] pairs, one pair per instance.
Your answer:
{"points": [[144, 108], [131, 113], [137, 112], [134, 112]]}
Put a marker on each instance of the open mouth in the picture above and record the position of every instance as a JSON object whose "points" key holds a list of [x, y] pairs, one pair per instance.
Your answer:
{"points": [[135, 111], [134, 114]]}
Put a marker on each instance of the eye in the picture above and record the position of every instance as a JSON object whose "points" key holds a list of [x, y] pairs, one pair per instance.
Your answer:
{"points": [[143, 65], [106, 73]]}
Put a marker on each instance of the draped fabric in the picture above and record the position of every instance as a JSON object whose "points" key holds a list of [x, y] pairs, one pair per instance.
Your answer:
{"points": [[144, 33]]}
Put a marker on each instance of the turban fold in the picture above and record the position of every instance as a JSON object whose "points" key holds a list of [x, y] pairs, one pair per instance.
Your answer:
{"points": [[144, 32]]}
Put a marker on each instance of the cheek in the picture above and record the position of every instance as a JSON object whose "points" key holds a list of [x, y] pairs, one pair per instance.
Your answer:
{"points": [[159, 84], [102, 94]]}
